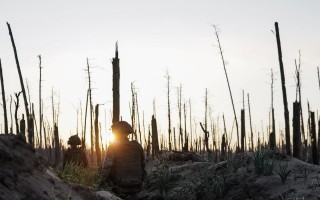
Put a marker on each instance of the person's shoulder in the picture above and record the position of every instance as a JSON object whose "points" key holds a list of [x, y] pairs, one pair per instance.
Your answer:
{"points": [[136, 143]]}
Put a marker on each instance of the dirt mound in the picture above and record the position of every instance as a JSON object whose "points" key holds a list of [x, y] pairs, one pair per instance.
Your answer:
{"points": [[258, 175], [24, 176]]}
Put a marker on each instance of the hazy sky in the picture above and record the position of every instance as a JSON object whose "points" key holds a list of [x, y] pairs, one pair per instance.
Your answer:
{"points": [[156, 36]]}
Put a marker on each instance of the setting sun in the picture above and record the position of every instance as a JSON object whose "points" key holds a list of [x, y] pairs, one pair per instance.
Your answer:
{"points": [[110, 138]]}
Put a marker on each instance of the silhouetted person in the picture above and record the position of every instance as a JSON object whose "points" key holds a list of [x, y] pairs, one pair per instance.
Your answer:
{"points": [[124, 166], [74, 154]]}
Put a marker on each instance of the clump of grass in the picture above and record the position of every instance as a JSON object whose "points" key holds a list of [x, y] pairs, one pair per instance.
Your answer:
{"points": [[206, 186], [283, 172], [303, 171], [262, 162], [161, 179], [73, 173]]}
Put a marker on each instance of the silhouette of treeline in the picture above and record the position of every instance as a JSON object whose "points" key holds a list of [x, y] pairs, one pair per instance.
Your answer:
{"points": [[212, 141]]}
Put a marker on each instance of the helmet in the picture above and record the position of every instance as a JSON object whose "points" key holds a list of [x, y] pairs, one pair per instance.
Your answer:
{"points": [[122, 127], [74, 140]]}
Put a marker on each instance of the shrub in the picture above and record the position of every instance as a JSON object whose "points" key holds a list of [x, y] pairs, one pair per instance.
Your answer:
{"points": [[283, 172]]}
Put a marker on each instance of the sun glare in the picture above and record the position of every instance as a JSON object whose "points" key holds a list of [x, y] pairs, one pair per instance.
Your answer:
{"points": [[110, 138]]}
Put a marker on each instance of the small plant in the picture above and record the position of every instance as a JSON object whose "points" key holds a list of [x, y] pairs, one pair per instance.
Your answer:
{"points": [[303, 171], [261, 161], [73, 173], [283, 172], [162, 179]]}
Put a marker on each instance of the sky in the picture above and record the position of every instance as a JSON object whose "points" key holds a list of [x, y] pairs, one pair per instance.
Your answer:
{"points": [[156, 37]]}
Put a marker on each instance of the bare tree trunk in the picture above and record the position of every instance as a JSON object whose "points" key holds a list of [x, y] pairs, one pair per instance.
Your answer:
{"points": [[296, 130], [138, 118], [40, 102], [284, 92], [155, 140], [16, 112], [85, 122], [252, 147], [56, 144], [180, 115], [22, 126], [243, 129], [169, 110], [313, 139], [133, 112], [225, 70], [11, 126], [191, 146], [116, 86], [30, 134], [4, 102], [186, 148], [96, 127], [272, 136], [91, 112]]}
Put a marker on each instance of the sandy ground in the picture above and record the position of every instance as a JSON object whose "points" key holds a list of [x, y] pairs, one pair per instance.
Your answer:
{"points": [[24, 177]]}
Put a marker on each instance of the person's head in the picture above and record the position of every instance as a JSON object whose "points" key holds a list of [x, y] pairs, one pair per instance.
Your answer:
{"points": [[74, 141], [121, 130]]}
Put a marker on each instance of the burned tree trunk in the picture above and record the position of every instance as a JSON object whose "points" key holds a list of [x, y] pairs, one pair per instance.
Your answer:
{"points": [[16, 112], [91, 111], [185, 147], [272, 138], [252, 147], [4, 102], [229, 87], [30, 134], [243, 130], [296, 130], [40, 102], [169, 111], [56, 144], [116, 86], [22, 126], [96, 128], [313, 139], [85, 122], [284, 92], [180, 113], [155, 140]]}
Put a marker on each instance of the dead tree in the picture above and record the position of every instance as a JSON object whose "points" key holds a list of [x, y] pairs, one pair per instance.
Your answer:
{"points": [[40, 102], [169, 110], [91, 110], [85, 122], [243, 126], [180, 115], [296, 130], [155, 140], [11, 124], [133, 112], [30, 134], [22, 126], [56, 144], [96, 128], [149, 142], [116, 86], [205, 128], [272, 138], [225, 70], [4, 102], [138, 118], [252, 147], [16, 103], [191, 146], [284, 93], [185, 147], [313, 139]]}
